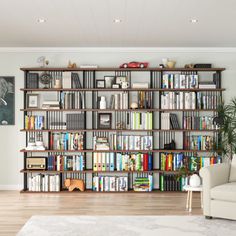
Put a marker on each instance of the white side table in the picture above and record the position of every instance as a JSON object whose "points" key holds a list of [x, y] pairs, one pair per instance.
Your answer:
{"points": [[190, 191]]}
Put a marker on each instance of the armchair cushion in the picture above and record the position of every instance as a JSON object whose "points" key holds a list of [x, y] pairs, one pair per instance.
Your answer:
{"points": [[224, 192], [232, 175]]}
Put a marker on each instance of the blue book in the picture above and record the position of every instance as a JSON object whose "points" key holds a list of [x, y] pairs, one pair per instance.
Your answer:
{"points": [[150, 161], [112, 161]]}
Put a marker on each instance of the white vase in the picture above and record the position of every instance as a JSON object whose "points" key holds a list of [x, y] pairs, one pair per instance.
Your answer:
{"points": [[103, 103], [194, 181]]}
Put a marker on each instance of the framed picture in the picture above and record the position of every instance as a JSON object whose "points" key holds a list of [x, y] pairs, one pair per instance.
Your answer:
{"points": [[109, 81], [100, 83], [7, 100], [104, 121], [120, 79], [32, 100]]}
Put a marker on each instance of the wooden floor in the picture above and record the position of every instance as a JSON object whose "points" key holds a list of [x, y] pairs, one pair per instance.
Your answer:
{"points": [[16, 208]]}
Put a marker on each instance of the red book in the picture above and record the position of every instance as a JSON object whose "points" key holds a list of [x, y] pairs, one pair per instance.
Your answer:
{"points": [[145, 161]]}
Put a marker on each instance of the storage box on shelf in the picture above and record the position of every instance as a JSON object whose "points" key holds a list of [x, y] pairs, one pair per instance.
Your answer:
{"points": [[117, 148]]}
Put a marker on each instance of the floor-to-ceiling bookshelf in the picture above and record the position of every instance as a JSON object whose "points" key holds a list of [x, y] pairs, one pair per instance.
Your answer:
{"points": [[90, 110]]}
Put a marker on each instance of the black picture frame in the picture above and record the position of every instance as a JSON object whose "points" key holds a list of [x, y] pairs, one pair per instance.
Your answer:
{"points": [[7, 100], [106, 122], [100, 83]]}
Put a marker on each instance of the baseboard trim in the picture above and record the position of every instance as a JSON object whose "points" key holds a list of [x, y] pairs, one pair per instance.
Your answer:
{"points": [[10, 187]]}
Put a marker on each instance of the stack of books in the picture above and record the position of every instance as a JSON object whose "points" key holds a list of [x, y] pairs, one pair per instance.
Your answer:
{"points": [[51, 105], [34, 122], [110, 183], [62, 162], [143, 184], [45, 183], [103, 161], [100, 143], [134, 162], [207, 85], [131, 142]]}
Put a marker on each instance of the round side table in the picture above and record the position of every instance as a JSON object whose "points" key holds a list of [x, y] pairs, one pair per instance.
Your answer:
{"points": [[190, 191]]}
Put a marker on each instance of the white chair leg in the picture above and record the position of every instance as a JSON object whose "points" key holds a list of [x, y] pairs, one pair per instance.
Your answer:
{"points": [[187, 202], [191, 199], [201, 200]]}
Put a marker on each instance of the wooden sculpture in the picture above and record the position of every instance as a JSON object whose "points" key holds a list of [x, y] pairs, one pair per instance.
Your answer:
{"points": [[72, 184]]}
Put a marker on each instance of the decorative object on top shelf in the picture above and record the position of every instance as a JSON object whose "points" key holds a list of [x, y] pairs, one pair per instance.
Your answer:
{"points": [[7, 100], [189, 66], [171, 64], [121, 79], [227, 123], [104, 120], [194, 180], [109, 81], [89, 66], [72, 184], [71, 65], [164, 61], [42, 61], [32, 100], [203, 65], [45, 79], [135, 64]]}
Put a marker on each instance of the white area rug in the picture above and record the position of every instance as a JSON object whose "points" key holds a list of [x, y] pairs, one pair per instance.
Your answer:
{"points": [[127, 226]]}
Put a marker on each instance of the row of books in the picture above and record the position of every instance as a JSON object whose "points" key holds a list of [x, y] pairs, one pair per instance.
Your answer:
{"points": [[103, 161], [134, 162], [198, 142], [171, 81], [34, 122], [131, 142], [199, 123], [169, 121], [144, 100], [43, 182], [66, 141], [68, 163], [143, 184], [119, 101], [141, 120], [110, 183], [178, 100], [170, 182], [171, 161], [208, 100], [72, 100]]}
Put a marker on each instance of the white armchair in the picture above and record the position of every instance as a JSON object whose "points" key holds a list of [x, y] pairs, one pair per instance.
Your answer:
{"points": [[219, 190]]}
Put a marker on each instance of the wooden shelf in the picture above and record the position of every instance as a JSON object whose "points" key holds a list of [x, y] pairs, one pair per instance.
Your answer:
{"points": [[111, 89], [118, 130], [116, 151], [117, 69], [105, 110]]}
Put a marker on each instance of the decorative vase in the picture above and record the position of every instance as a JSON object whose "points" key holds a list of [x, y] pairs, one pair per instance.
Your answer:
{"points": [[194, 181], [103, 103], [171, 64]]}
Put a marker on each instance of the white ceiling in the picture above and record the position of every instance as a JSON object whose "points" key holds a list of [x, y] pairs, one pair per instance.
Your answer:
{"points": [[145, 23]]}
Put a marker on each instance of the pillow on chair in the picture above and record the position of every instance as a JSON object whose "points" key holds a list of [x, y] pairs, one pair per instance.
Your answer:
{"points": [[232, 175]]}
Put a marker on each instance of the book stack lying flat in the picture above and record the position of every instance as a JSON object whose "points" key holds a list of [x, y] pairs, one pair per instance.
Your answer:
{"points": [[45, 183], [110, 183], [143, 184], [207, 85], [100, 143], [51, 105]]}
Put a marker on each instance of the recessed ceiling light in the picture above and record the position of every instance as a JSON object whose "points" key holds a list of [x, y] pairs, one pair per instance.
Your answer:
{"points": [[41, 20], [194, 21], [117, 20]]}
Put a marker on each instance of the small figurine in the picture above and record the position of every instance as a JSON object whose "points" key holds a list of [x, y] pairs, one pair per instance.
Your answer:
{"points": [[189, 66], [43, 62], [72, 184], [71, 65]]}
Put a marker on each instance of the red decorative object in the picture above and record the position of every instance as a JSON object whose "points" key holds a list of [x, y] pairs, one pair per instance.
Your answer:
{"points": [[135, 64]]}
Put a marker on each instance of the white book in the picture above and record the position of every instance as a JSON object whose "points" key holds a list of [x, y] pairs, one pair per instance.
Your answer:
{"points": [[182, 81], [193, 100], [57, 183], [165, 81], [66, 81], [176, 81], [140, 85], [181, 98]]}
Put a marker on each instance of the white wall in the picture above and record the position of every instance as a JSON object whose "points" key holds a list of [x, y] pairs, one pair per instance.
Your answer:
{"points": [[11, 59]]}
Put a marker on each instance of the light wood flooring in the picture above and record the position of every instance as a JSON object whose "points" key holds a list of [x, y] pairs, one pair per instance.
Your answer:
{"points": [[16, 208]]}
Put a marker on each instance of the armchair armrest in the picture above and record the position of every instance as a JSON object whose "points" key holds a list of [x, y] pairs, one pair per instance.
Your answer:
{"points": [[212, 176]]}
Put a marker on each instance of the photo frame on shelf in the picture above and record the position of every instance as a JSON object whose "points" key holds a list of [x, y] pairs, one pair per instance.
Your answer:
{"points": [[100, 83], [109, 81], [104, 120], [32, 100]]}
